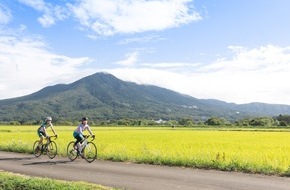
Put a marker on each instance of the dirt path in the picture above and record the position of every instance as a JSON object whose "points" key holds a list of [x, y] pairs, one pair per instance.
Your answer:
{"points": [[137, 176]]}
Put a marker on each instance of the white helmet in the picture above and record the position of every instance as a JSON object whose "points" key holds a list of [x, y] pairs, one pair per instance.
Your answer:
{"points": [[48, 119]]}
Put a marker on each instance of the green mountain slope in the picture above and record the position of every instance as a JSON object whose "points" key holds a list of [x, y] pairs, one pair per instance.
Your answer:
{"points": [[103, 96]]}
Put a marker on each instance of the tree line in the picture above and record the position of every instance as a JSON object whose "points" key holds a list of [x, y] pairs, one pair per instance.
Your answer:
{"points": [[266, 121]]}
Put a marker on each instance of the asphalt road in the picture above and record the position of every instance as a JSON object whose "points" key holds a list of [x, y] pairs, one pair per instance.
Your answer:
{"points": [[138, 176]]}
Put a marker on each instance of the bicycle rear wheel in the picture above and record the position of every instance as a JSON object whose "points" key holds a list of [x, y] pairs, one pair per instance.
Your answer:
{"points": [[90, 152], [36, 150], [51, 149], [71, 152]]}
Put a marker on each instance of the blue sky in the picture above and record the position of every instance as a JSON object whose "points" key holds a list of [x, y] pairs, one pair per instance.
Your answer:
{"points": [[235, 51]]}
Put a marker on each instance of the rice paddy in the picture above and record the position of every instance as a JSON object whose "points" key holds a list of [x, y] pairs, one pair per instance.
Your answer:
{"points": [[252, 151]]}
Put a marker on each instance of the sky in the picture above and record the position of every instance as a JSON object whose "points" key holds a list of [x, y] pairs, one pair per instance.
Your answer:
{"points": [[233, 51]]}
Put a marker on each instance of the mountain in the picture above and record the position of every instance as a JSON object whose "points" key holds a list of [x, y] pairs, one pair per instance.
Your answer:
{"points": [[103, 96]]}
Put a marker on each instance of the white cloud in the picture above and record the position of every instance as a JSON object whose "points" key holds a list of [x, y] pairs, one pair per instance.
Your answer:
{"points": [[27, 65], [51, 13], [251, 75], [36, 4], [46, 20], [172, 65], [5, 15], [258, 59], [108, 17], [144, 39], [130, 60]]}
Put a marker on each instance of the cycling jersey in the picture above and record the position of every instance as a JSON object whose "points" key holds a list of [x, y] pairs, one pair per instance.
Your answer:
{"points": [[82, 128], [44, 126], [41, 131]]}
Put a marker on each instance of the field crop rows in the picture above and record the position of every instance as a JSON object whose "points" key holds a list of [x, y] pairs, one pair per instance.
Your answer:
{"points": [[266, 152]]}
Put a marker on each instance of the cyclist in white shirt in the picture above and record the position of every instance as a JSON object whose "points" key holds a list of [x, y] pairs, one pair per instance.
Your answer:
{"points": [[78, 132]]}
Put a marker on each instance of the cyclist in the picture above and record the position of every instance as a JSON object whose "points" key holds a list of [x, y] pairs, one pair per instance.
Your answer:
{"points": [[78, 132], [41, 131]]}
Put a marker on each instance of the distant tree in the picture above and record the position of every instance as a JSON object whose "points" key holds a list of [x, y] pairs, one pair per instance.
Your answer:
{"points": [[216, 121], [200, 122], [243, 122], [172, 123], [14, 123], [31, 122], [186, 122], [262, 121], [284, 120], [143, 122], [283, 123]]}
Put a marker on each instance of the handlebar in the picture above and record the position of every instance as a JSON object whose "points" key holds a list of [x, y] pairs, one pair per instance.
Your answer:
{"points": [[54, 136], [88, 136]]}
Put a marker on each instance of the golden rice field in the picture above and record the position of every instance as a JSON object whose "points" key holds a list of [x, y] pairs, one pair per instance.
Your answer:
{"points": [[264, 151]]}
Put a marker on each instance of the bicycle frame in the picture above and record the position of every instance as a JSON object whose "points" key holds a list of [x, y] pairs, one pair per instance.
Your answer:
{"points": [[83, 145], [48, 140]]}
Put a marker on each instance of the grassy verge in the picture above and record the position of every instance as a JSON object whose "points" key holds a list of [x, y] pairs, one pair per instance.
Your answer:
{"points": [[11, 181]]}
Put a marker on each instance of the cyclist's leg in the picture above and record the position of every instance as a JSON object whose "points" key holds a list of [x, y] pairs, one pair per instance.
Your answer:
{"points": [[41, 137], [79, 138]]}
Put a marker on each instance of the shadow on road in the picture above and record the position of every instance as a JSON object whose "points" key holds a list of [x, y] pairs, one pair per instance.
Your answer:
{"points": [[16, 159], [34, 163], [49, 162]]}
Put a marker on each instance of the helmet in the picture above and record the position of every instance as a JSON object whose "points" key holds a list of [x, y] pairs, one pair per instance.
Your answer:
{"points": [[48, 119], [84, 118]]}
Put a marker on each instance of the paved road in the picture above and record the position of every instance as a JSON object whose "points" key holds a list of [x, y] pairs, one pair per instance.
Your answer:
{"points": [[137, 176]]}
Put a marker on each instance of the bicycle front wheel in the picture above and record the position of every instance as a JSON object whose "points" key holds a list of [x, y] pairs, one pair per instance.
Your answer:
{"points": [[90, 152], [51, 149], [71, 152], [36, 149]]}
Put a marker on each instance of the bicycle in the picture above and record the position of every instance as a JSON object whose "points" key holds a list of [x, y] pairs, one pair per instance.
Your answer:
{"points": [[87, 150], [49, 148]]}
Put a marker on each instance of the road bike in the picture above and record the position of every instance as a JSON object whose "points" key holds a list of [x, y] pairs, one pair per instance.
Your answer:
{"points": [[87, 149], [49, 148]]}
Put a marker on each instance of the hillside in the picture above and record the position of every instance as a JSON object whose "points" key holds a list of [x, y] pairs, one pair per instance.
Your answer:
{"points": [[103, 96]]}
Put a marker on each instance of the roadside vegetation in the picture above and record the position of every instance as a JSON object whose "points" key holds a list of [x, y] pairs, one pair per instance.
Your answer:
{"points": [[251, 150], [12, 181], [281, 121]]}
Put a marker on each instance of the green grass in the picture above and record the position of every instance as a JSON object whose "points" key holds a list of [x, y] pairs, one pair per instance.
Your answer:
{"points": [[264, 151], [10, 181]]}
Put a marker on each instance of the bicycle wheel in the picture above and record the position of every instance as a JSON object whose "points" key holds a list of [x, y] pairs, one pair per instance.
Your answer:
{"points": [[71, 152], [90, 152], [36, 150], [51, 149]]}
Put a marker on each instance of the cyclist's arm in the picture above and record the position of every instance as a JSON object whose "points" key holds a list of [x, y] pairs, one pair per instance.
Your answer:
{"points": [[53, 130], [90, 131]]}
